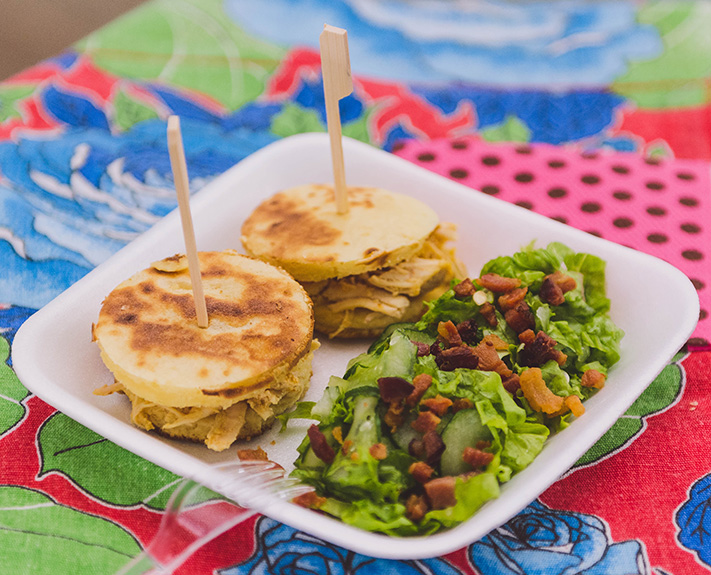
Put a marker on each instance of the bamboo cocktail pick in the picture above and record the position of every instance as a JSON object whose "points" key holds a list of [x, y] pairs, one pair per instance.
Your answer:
{"points": [[180, 175], [337, 84]]}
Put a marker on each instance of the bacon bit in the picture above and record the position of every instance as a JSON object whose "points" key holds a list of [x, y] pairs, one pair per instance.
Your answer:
{"points": [[420, 471], [520, 318], [527, 336], [439, 404], [483, 444], [488, 312], [551, 292], [462, 403], [573, 403], [539, 397], [498, 343], [426, 421], [593, 378], [476, 457], [464, 288], [454, 357], [320, 445], [310, 500], [497, 283], [416, 448], [346, 447], [379, 451], [394, 389], [440, 492], [416, 507], [449, 333], [540, 350], [467, 330], [434, 447], [421, 383], [252, 454], [422, 348], [354, 456], [337, 433], [394, 416], [511, 383], [511, 299], [489, 359]]}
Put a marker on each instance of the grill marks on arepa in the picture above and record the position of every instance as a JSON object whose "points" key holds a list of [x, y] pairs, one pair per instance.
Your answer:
{"points": [[257, 347]]}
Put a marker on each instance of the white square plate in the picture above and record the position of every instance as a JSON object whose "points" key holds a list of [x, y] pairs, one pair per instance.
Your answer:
{"points": [[653, 302]]}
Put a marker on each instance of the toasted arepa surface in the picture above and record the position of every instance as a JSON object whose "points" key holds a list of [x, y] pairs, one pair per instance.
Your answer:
{"points": [[260, 326], [300, 230]]}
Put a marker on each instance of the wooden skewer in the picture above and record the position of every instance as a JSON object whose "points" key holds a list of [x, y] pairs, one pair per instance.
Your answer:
{"points": [[337, 84], [180, 175]]}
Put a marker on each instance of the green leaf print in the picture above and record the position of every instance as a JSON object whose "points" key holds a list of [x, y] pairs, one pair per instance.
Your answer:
{"points": [[88, 459], [293, 119], [12, 392], [510, 130], [677, 78], [41, 537], [660, 394], [9, 98], [129, 111], [191, 44]]}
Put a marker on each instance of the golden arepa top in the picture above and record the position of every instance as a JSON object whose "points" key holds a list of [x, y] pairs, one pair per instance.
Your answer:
{"points": [[260, 325], [300, 230]]}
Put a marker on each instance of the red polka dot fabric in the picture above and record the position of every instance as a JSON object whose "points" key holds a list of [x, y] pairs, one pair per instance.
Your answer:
{"points": [[659, 207]]}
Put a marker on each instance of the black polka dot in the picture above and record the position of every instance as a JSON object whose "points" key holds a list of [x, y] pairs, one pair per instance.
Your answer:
{"points": [[690, 228], [460, 145], [525, 204], [557, 193], [525, 150], [595, 233], [459, 173], [652, 161], [656, 211], [589, 155], [687, 176], [561, 219], [690, 202], [397, 146], [655, 186], [490, 161], [590, 179], [591, 207], [426, 157], [622, 195], [622, 223], [697, 342], [698, 284], [490, 190], [556, 164], [524, 177], [703, 314], [658, 238], [693, 255], [620, 169]]}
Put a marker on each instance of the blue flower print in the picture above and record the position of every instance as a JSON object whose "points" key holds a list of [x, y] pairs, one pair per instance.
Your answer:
{"points": [[542, 540], [282, 550], [694, 520]]}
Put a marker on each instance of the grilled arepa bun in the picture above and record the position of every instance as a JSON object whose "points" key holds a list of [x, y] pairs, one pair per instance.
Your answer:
{"points": [[365, 269], [217, 384]]}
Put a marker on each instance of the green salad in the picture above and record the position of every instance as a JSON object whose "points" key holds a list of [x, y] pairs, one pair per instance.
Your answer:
{"points": [[424, 427]]}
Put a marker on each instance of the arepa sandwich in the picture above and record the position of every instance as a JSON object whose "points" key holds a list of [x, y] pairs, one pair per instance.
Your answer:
{"points": [[217, 384], [365, 269]]}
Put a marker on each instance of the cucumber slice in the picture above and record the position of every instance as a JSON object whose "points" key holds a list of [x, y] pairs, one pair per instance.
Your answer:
{"points": [[464, 430]]}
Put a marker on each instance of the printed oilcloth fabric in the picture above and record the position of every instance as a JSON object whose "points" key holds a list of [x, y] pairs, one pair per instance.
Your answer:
{"points": [[596, 114]]}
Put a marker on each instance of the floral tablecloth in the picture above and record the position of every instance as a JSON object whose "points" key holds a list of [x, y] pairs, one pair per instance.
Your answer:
{"points": [[596, 114]]}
